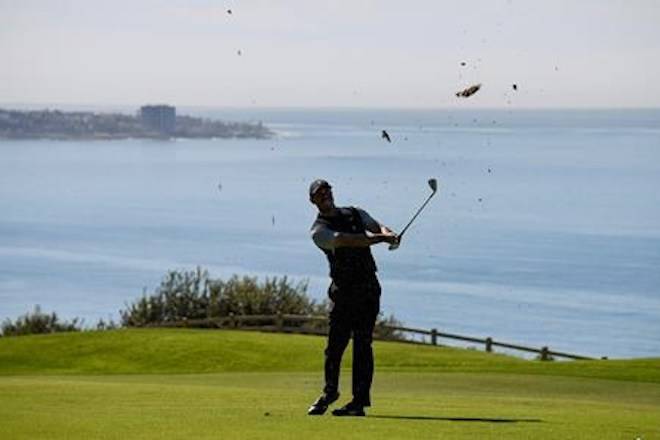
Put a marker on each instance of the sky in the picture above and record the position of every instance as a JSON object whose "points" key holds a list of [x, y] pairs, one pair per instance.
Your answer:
{"points": [[307, 53]]}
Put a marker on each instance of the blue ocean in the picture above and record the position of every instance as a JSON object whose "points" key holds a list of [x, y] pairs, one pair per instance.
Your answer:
{"points": [[545, 229]]}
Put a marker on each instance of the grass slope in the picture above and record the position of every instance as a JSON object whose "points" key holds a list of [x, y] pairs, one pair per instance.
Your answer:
{"points": [[176, 351], [155, 384]]}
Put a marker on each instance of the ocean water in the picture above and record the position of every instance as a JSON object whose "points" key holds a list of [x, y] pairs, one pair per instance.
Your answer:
{"points": [[545, 230]]}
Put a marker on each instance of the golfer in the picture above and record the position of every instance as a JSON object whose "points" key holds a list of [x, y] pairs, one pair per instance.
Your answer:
{"points": [[345, 235]]}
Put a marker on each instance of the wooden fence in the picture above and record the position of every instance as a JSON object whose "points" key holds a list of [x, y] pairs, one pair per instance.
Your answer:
{"points": [[317, 325]]}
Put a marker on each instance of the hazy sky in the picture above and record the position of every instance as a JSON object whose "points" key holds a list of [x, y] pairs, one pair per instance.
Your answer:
{"points": [[577, 53]]}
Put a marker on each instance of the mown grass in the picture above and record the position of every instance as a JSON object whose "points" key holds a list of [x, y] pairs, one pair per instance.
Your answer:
{"points": [[176, 351], [146, 384]]}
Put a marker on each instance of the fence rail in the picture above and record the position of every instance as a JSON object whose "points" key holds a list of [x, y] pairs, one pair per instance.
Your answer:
{"points": [[281, 323]]}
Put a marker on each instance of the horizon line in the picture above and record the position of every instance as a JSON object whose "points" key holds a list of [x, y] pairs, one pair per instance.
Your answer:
{"points": [[50, 105]]}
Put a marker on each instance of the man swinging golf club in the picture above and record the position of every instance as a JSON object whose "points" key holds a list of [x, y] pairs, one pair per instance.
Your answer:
{"points": [[345, 235]]}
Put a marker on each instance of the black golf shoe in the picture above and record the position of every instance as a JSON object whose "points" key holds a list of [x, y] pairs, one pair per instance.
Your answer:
{"points": [[319, 407], [351, 409]]}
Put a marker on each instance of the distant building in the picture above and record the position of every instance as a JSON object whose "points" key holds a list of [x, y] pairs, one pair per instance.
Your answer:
{"points": [[161, 118]]}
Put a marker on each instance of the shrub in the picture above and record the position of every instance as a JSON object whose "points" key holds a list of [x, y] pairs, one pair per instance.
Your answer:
{"points": [[382, 327], [103, 325], [38, 322], [192, 295]]}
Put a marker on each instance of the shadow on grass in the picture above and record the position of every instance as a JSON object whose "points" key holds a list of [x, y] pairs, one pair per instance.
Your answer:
{"points": [[459, 419]]}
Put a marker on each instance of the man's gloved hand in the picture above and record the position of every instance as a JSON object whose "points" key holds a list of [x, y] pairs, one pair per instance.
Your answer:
{"points": [[394, 241]]}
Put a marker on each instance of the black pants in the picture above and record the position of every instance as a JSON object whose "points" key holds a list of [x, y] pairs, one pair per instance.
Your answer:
{"points": [[354, 311]]}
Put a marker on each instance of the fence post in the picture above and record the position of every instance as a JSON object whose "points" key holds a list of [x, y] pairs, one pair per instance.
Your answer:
{"points": [[545, 356], [279, 321], [489, 344], [434, 336]]}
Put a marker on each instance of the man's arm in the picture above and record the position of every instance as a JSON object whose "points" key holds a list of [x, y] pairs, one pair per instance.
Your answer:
{"points": [[343, 239], [328, 239], [385, 230], [373, 225]]}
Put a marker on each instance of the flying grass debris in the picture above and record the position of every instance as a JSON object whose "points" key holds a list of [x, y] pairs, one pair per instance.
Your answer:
{"points": [[469, 91]]}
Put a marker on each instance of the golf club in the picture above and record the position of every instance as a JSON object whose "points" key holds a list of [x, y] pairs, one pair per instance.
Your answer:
{"points": [[433, 184]]}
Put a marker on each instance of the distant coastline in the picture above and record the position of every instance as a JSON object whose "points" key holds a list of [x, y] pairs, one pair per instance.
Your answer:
{"points": [[60, 125]]}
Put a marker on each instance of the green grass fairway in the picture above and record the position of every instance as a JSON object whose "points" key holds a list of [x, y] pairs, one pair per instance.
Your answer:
{"points": [[200, 384]]}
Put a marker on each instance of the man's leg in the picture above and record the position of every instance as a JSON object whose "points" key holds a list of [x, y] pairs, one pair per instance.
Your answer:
{"points": [[363, 357], [338, 336]]}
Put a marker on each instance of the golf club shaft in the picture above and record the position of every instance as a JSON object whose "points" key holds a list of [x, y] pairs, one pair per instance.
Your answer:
{"points": [[433, 183], [416, 214]]}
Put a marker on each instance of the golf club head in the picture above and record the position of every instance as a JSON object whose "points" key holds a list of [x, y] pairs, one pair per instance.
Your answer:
{"points": [[433, 183]]}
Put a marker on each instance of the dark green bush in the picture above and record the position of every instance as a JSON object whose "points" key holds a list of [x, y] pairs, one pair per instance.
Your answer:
{"points": [[38, 322], [192, 295]]}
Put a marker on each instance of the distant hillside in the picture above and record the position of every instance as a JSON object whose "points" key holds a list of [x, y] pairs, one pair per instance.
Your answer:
{"points": [[55, 124]]}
